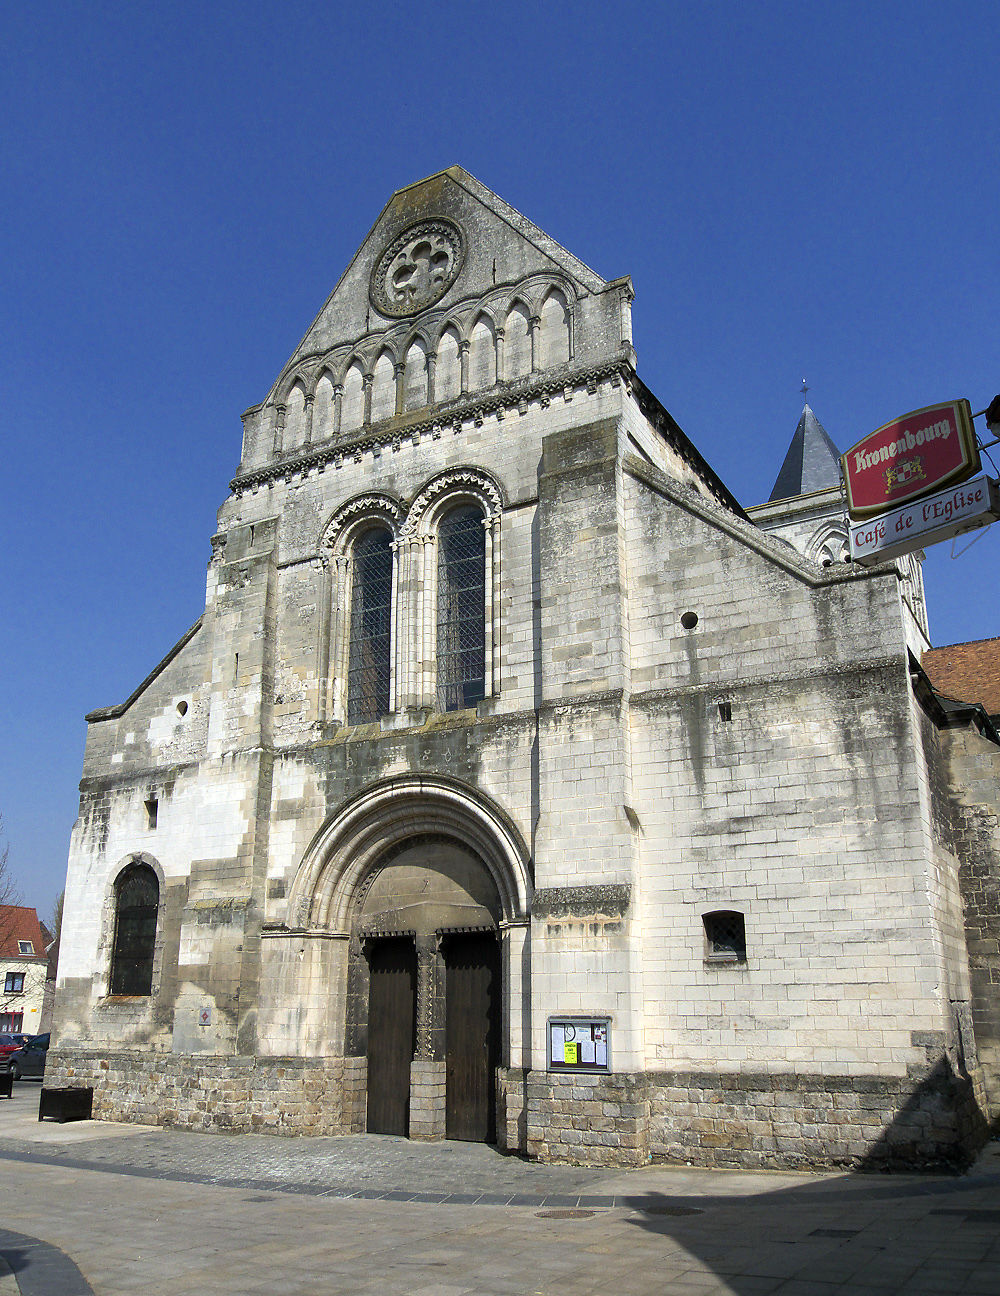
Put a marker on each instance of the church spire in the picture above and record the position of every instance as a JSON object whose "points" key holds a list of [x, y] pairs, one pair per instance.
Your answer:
{"points": [[811, 463]]}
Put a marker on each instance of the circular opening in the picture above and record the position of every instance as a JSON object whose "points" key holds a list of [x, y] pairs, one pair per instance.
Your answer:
{"points": [[182, 708], [689, 620], [827, 562]]}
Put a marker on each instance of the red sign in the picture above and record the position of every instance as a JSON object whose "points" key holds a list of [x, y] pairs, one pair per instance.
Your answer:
{"points": [[910, 457]]}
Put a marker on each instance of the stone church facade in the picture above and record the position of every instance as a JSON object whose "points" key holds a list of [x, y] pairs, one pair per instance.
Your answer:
{"points": [[515, 784]]}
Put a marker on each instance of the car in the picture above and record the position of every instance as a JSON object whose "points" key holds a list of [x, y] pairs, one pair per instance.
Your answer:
{"points": [[29, 1060], [8, 1043]]}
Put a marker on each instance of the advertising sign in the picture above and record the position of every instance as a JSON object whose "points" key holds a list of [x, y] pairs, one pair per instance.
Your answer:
{"points": [[936, 517], [578, 1044], [912, 456]]}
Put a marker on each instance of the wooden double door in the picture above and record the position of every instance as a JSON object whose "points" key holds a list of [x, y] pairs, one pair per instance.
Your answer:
{"points": [[471, 1029]]}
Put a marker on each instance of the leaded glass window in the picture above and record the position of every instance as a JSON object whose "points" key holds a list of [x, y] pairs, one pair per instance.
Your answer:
{"points": [[370, 632], [137, 899], [461, 610]]}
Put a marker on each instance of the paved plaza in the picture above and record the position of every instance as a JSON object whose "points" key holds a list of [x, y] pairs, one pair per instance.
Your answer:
{"points": [[116, 1210]]}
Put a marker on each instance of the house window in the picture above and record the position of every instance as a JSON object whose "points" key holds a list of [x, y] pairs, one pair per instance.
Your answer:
{"points": [[461, 610], [14, 982], [368, 672], [11, 1023], [25, 947], [725, 937], [137, 898]]}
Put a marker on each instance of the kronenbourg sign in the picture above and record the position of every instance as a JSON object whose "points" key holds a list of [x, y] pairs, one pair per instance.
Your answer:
{"points": [[926, 521], [912, 456]]}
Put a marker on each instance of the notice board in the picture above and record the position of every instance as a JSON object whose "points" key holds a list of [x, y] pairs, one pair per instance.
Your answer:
{"points": [[578, 1043]]}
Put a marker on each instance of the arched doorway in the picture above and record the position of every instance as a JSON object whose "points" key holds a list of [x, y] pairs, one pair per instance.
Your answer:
{"points": [[424, 882], [425, 936]]}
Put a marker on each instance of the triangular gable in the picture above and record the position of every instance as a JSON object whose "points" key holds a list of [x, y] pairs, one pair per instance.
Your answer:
{"points": [[493, 244]]}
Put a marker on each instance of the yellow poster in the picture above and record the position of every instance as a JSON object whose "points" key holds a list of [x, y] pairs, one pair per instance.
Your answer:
{"points": [[571, 1053]]}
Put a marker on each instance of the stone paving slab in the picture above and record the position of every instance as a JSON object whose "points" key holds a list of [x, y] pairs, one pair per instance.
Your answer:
{"points": [[162, 1213]]}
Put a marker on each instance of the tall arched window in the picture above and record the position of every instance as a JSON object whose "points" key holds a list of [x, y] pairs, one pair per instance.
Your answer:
{"points": [[461, 609], [368, 671], [137, 900]]}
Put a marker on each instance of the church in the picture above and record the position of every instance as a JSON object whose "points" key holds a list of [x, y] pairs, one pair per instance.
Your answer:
{"points": [[517, 784]]}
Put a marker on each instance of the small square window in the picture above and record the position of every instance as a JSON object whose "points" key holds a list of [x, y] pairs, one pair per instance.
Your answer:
{"points": [[25, 947], [13, 983], [725, 937]]}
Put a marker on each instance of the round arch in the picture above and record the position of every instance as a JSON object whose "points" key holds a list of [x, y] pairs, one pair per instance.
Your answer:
{"points": [[350, 845], [452, 486]]}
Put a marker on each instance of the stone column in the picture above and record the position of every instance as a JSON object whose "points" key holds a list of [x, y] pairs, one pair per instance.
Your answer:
{"points": [[428, 619], [463, 351], [341, 632], [431, 366], [323, 577], [309, 402], [500, 360], [338, 404], [280, 412], [427, 1070], [400, 372], [366, 383], [398, 691], [534, 328], [493, 576]]}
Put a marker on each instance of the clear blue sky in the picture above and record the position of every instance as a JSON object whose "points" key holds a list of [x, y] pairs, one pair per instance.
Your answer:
{"points": [[796, 190]]}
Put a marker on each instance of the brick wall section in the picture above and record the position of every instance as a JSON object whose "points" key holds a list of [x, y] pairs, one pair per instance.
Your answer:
{"points": [[250, 1095]]}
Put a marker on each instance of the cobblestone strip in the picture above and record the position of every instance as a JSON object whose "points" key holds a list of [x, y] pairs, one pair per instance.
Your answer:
{"points": [[483, 1198]]}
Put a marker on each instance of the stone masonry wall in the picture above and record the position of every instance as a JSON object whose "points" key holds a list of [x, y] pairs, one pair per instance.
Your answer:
{"points": [[588, 1119], [973, 766], [288, 1096], [755, 1120], [869, 1122]]}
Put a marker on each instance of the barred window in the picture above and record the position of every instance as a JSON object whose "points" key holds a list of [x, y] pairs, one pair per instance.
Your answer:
{"points": [[725, 937], [461, 610], [371, 605], [137, 899]]}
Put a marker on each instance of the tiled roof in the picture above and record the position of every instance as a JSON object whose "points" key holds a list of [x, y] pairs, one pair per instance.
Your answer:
{"points": [[968, 672], [812, 461], [19, 923]]}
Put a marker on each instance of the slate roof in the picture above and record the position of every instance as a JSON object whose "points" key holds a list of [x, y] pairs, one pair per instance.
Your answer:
{"points": [[967, 672], [19, 923], [811, 463]]}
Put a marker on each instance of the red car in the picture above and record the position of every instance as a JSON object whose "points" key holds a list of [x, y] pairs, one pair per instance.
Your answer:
{"points": [[10, 1043]]}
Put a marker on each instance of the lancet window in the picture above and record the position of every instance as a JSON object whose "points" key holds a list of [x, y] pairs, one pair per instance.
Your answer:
{"points": [[461, 609], [370, 649]]}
